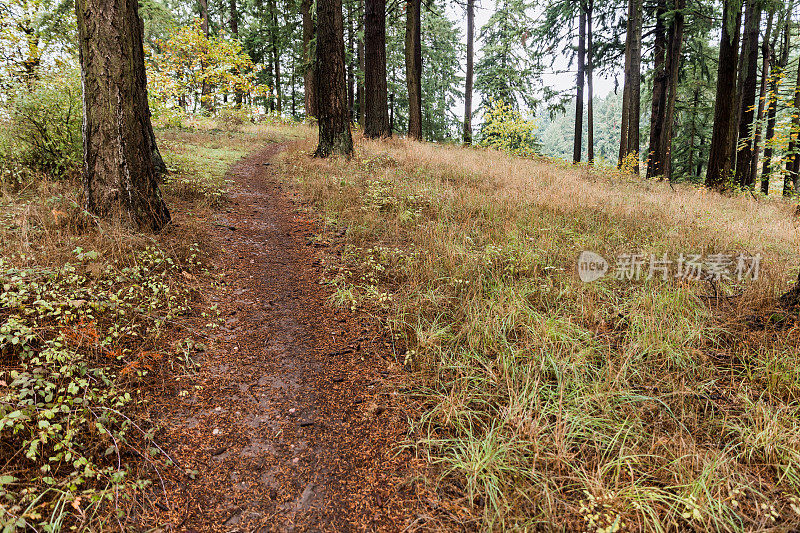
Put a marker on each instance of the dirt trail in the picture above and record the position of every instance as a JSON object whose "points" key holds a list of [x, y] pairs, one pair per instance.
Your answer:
{"points": [[293, 429]]}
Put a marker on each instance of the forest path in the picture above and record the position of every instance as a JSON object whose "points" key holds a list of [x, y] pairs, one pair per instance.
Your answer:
{"points": [[293, 428]]}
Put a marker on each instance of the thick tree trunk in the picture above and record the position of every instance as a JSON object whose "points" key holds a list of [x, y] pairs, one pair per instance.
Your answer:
{"points": [[747, 93], [581, 79], [334, 123], [119, 176], [772, 110], [376, 112], [470, 72], [720, 156], [658, 108], [766, 58], [590, 84], [308, 58], [674, 48], [413, 53]]}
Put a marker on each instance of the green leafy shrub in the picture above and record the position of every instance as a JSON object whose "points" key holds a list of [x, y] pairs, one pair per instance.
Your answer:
{"points": [[505, 129], [232, 118], [45, 124]]}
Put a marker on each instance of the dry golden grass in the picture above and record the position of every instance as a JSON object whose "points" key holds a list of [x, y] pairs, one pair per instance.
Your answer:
{"points": [[549, 403]]}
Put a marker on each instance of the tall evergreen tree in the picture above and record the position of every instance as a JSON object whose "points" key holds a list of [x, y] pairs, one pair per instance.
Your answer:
{"points": [[504, 71], [629, 135], [468, 84], [746, 92], [721, 153], [581, 79]]}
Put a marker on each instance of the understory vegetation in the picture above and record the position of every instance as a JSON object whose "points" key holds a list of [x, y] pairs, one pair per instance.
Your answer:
{"points": [[544, 402], [95, 320]]}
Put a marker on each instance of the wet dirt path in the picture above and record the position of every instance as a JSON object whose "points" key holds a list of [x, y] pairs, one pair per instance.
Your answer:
{"points": [[293, 428]]}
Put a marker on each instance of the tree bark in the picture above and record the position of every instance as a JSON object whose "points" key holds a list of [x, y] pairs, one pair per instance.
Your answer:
{"points": [[792, 180], [360, 52], [351, 82], [636, 83], [274, 36], [658, 108], [720, 156], [234, 26], [772, 110], [309, 55], [119, 176], [674, 48], [747, 93], [376, 112], [205, 89], [590, 84], [581, 79], [334, 122], [626, 92], [468, 83], [766, 59], [413, 53]]}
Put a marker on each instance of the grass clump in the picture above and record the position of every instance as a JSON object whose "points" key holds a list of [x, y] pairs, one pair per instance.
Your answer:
{"points": [[548, 403]]}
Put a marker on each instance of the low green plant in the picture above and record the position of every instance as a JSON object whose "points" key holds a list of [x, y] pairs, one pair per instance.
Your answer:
{"points": [[77, 343]]}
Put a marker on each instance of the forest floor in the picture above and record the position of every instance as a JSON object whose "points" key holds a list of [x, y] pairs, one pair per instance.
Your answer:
{"points": [[396, 341], [293, 423]]}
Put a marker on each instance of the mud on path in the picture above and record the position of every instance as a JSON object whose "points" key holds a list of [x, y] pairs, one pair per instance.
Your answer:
{"points": [[293, 428]]}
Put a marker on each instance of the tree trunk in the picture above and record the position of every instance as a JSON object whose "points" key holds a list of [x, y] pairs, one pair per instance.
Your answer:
{"points": [[360, 52], [351, 82], [308, 58], [747, 94], [626, 92], [766, 58], [581, 79], [636, 83], [234, 25], [792, 180], [590, 84], [658, 108], [334, 124], [119, 176], [205, 89], [674, 48], [772, 110], [720, 156], [413, 53], [376, 112], [274, 36], [470, 72]]}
